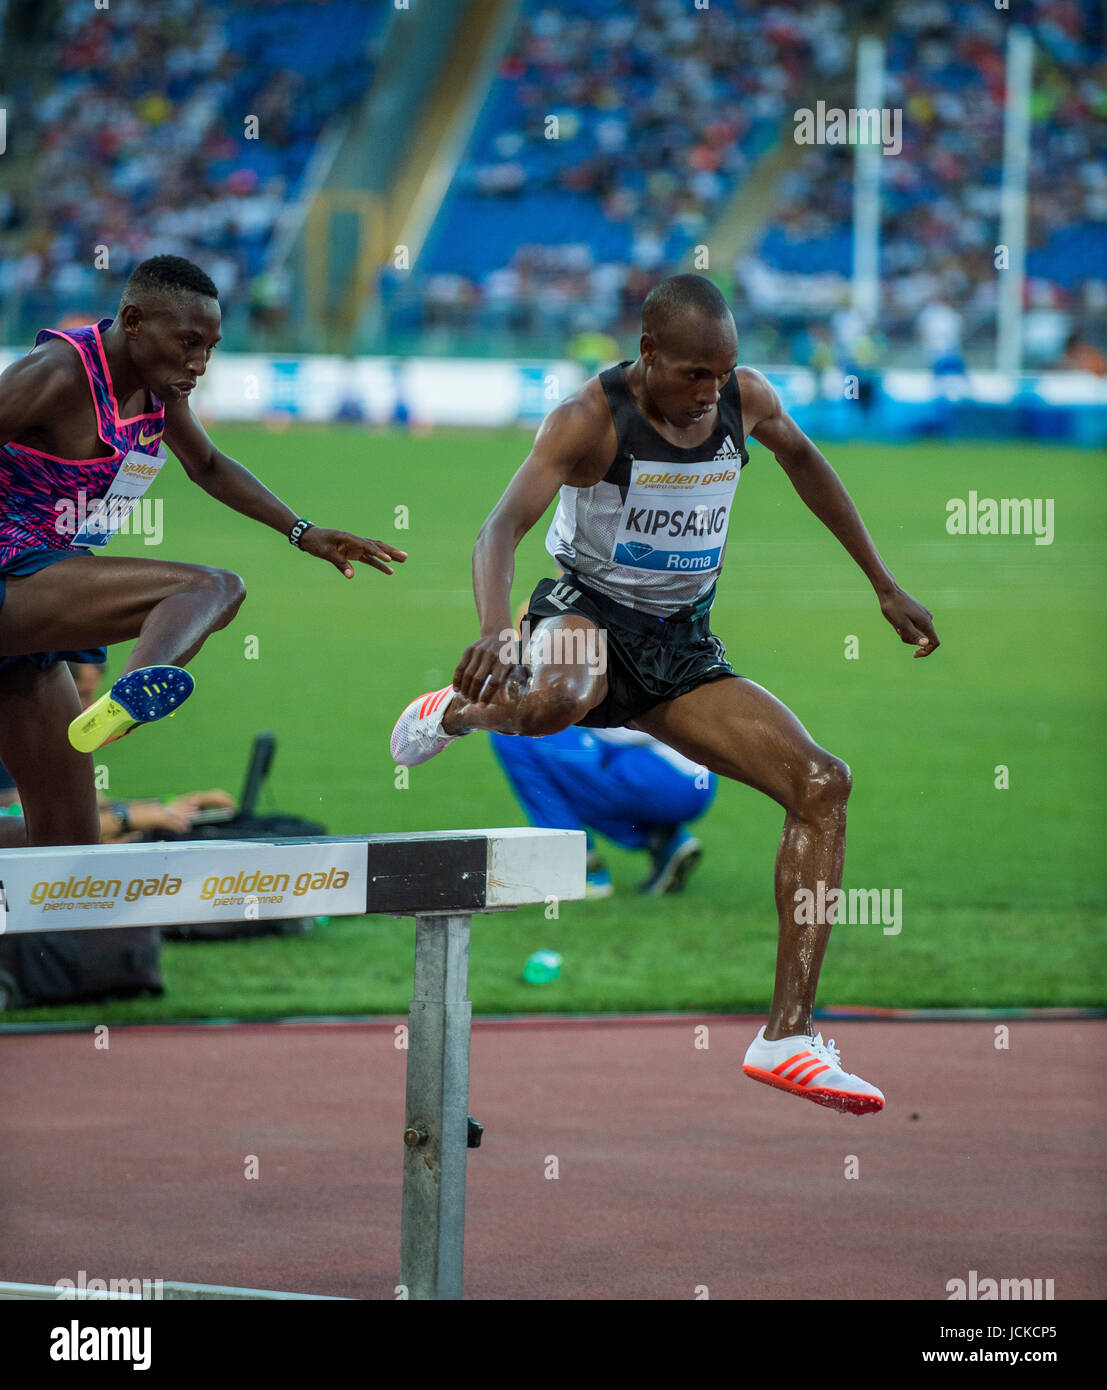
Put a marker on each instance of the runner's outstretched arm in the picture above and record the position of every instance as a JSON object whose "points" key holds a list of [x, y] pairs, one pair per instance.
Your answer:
{"points": [[236, 487], [824, 493]]}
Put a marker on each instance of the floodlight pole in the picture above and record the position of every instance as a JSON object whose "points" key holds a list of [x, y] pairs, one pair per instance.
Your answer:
{"points": [[1012, 229], [867, 155]]}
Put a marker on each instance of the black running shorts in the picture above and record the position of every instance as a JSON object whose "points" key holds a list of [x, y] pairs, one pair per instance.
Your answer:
{"points": [[649, 659]]}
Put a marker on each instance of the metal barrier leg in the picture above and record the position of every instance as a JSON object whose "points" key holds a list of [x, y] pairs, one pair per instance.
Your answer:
{"points": [[437, 1110]]}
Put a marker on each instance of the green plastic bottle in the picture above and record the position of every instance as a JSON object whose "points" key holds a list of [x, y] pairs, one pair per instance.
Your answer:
{"points": [[542, 967]]}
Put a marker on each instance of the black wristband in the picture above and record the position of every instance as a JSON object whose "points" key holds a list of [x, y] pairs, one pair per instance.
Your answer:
{"points": [[297, 532], [119, 811]]}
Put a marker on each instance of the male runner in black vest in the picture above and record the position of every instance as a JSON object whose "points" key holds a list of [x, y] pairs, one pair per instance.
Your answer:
{"points": [[646, 458]]}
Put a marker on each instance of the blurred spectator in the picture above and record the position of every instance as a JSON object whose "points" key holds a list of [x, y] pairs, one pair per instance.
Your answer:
{"points": [[269, 295], [939, 328], [618, 783], [593, 350], [1083, 356], [856, 350]]}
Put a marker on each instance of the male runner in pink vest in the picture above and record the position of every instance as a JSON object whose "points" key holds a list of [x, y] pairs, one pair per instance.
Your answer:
{"points": [[83, 418]]}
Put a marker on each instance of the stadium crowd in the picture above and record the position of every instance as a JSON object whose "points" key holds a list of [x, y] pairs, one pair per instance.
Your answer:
{"points": [[176, 127], [941, 225], [610, 141], [660, 111], [666, 124]]}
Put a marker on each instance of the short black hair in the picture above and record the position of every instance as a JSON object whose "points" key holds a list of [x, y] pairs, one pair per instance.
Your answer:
{"points": [[171, 275], [680, 295]]}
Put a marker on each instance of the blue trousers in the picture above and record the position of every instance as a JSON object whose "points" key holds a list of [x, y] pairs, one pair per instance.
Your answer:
{"points": [[572, 781]]}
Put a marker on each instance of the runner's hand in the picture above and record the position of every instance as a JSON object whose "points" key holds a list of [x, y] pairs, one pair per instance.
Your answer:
{"points": [[485, 666], [341, 549], [146, 816], [911, 620], [192, 803]]}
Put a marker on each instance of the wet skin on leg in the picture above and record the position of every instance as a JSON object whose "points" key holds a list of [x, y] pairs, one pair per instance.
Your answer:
{"points": [[86, 602], [738, 730], [552, 688]]}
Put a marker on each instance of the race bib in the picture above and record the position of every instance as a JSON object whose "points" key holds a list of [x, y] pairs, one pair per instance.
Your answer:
{"points": [[105, 516], [675, 516]]}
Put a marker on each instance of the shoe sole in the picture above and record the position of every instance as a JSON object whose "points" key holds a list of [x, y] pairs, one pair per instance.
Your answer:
{"points": [[140, 697], [399, 745], [676, 872], [100, 725], [846, 1102]]}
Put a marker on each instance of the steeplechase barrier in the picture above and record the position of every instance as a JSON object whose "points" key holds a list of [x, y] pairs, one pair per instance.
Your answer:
{"points": [[440, 878]]}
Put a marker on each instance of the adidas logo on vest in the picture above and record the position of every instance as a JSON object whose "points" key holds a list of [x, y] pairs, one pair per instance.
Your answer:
{"points": [[727, 450]]}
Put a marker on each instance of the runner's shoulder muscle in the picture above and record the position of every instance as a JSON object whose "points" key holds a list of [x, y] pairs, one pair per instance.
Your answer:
{"points": [[567, 452], [759, 399], [580, 435], [36, 387]]}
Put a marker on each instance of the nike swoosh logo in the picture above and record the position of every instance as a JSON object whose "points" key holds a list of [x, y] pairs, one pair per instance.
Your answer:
{"points": [[144, 438]]}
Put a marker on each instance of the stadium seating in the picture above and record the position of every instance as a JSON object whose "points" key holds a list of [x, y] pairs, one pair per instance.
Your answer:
{"points": [[623, 131], [144, 145], [660, 116], [609, 142], [945, 70]]}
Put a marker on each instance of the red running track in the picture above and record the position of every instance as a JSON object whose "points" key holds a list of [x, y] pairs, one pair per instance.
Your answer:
{"points": [[674, 1172]]}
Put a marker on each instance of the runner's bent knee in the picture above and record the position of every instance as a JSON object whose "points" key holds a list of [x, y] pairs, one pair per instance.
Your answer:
{"points": [[826, 788], [227, 589], [557, 701]]}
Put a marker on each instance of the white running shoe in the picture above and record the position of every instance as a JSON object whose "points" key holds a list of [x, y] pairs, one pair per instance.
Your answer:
{"points": [[806, 1066], [418, 734]]}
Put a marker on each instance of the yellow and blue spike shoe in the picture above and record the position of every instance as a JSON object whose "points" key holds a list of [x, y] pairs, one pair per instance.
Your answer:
{"points": [[139, 697]]}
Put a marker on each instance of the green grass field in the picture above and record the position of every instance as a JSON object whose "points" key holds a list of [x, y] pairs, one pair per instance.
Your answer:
{"points": [[1001, 887]]}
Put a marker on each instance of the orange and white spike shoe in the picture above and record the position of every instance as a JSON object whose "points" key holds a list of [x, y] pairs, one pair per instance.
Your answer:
{"points": [[806, 1066], [418, 735]]}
